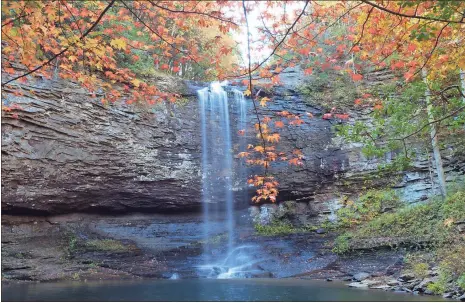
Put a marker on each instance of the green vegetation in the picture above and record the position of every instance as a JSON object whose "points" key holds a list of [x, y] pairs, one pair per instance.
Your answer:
{"points": [[432, 226], [330, 90], [368, 206], [278, 227], [107, 245], [275, 228]]}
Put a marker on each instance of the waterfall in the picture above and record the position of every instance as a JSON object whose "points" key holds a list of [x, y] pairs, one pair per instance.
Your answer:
{"points": [[217, 177], [216, 159]]}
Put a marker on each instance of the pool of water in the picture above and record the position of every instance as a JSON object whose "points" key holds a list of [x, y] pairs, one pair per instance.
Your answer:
{"points": [[200, 290]]}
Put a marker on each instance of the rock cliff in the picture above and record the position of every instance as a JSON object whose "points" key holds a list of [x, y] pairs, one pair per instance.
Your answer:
{"points": [[63, 151]]}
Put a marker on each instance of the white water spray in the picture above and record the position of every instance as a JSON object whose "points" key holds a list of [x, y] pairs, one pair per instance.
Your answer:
{"points": [[217, 176]]}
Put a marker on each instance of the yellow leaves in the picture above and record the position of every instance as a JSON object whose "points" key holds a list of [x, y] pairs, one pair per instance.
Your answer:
{"points": [[461, 63], [118, 43], [448, 222], [247, 93], [263, 101], [259, 149], [72, 58], [273, 138], [136, 82]]}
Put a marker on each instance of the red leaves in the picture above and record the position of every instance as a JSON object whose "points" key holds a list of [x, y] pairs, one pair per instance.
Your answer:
{"points": [[342, 116], [411, 47], [308, 71], [327, 116], [356, 77]]}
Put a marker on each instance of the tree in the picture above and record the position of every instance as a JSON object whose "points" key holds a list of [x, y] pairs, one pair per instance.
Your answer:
{"points": [[103, 43]]}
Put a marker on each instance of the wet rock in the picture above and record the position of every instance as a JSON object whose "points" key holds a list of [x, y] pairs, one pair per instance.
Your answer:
{"points": [[381, 286], [263, 274], [392, 282], [462, 298], [447, 295], [406, 277], [361, 276], [428, 292], [358, 285], [422, 287], [320, 231]]}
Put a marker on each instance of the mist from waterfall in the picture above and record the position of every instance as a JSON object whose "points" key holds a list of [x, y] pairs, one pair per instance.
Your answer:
{"points": [[218, 175]]}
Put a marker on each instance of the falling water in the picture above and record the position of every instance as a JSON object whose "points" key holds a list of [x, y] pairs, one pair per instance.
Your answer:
{"points": [[216, 158], [217, 176]]}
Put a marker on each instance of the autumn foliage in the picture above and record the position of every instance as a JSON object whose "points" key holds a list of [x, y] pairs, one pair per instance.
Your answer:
{"points": [[103, 45]]}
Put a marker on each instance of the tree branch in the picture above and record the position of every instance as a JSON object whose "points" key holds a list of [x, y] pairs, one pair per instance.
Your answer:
{"points": [[250, 81], [277, 46], [191, 12], [65, 49], [411, 16]]}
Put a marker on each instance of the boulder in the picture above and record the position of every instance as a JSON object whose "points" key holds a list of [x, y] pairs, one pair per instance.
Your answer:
{"points": [[361, 276], [358, 285]]}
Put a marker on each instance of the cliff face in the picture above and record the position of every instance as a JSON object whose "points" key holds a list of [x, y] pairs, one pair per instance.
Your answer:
{"points": [[63, 151], [66, 152]]}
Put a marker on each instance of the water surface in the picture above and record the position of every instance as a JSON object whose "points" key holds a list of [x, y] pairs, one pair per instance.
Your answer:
{"points": [[200, 290]]}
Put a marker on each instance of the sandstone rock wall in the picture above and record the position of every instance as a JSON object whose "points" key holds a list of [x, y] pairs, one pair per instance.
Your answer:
{"points": [[66, 152]]}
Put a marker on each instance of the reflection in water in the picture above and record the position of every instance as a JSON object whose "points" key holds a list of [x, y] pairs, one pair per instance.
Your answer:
{"points": [[200, 290]]}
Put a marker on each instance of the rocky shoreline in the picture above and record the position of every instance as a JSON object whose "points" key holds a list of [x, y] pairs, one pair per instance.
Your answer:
{"points": [[83, 247]]}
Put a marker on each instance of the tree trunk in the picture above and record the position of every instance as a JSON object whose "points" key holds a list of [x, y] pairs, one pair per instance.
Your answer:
{"points": [[462, 80], [434, 138]]}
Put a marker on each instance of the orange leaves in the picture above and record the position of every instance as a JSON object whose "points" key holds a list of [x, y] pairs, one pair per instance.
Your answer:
{"points": [[296, 121], [243, 154], [295, 161], [266, 188], [327, 116], [263, 101], [308, 71], [273, 138], [241, 132], [279, 124], [356, 77], [283, 113], [342, 116]]}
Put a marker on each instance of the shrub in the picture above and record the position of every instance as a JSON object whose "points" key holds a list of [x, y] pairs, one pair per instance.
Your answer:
{"points": [[107, 245], [442, 284], [368, 206], [461, 281], [275, 228], [420, 270], [454, 207]]}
